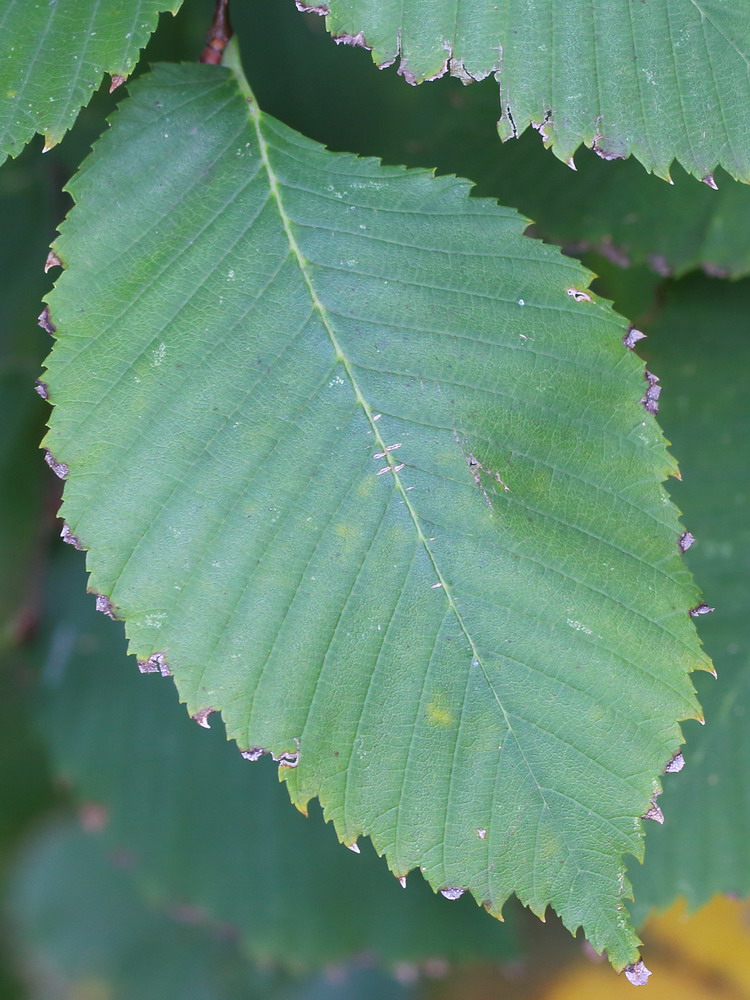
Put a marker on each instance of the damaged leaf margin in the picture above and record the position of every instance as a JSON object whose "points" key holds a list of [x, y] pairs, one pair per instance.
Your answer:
{"points": [[660, 82]]}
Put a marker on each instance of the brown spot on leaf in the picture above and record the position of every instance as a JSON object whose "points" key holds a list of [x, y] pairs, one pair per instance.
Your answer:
{"points": [[254, 754], [578, 296]]}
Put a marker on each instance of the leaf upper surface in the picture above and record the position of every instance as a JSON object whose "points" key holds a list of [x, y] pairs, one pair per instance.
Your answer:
{"points": [[53, 57], [291, 388], [661, 81]]}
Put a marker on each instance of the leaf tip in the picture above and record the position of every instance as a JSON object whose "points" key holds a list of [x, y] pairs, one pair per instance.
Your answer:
{"points": [[117, 81], [202, 717], [637, 973]]}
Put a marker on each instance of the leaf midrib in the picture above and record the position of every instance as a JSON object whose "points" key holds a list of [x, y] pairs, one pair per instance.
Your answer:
{"points": [[256, 117]]}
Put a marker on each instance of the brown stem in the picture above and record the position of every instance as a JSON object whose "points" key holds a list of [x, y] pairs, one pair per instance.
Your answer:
{"points": [[218, 36]]}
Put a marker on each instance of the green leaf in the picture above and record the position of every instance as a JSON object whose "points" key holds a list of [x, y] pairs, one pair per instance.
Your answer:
{"points": [[224, 841], [660, 81], [53, 57], [291, 388], [704, 846]]}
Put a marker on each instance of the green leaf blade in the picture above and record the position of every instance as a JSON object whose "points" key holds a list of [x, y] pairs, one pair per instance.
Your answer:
{"points": [[53, 57], [486, 681], [649, 80]]}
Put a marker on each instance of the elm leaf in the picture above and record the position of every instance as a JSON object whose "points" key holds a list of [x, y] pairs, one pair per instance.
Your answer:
{"points": [[374, 476]]}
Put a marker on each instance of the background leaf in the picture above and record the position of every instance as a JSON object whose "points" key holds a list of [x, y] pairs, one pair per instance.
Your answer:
{"points": [[231, 329], [53, 56], [86, 930], [660, 81]]}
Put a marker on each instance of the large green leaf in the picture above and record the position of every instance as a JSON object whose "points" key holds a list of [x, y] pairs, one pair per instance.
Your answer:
{"points": [[702, 339], [223, 840], [53, 56], [369, 471], [658, 80]]}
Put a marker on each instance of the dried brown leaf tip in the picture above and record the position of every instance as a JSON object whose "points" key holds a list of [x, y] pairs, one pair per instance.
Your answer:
{"points": [[632, 337], [637, 973], [650, 401], [686, 540], [358, 41], [654, 813], [41, 389], [157, 663], [105, 606], [676, 764], [45, 321], [254, 754], [202, 717], [701, 609], [52, 261], [453, 892], [709, 180], [59, 468], [117, 81], [304, 8], [67, 536]]}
